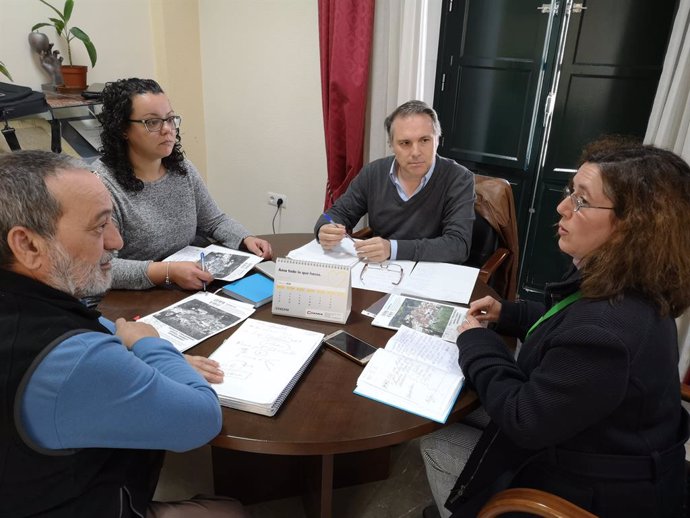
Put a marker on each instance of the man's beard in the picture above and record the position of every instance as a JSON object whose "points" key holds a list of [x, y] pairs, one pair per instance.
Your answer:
{"points": [[75, 277]]}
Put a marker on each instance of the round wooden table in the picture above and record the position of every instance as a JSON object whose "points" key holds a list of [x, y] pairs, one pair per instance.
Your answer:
{"points": [[321, 417]]}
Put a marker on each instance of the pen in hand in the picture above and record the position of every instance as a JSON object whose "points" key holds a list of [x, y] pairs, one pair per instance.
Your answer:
{"points": [[203, 267], [330, 220]]}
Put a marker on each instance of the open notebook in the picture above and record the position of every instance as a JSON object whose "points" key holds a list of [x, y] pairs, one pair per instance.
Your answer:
{"points": [[262, 362], [415, 372]]}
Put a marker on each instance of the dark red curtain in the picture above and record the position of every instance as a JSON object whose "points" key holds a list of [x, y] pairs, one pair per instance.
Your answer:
{"points": [[345, 35]]}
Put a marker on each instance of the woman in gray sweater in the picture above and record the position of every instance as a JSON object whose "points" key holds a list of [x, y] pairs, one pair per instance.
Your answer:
{"points": [[161, 204]]}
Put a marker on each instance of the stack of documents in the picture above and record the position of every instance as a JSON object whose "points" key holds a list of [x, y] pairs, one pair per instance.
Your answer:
{"points": [[438, 281], [262, 362], [426, 316]]}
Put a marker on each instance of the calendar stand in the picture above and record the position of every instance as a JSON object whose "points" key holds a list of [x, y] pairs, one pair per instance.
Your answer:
{"points": [[312, 290]]}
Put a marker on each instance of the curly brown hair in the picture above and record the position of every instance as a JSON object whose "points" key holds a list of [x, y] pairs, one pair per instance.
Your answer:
{"points": [[649, 249], [114, 119]]}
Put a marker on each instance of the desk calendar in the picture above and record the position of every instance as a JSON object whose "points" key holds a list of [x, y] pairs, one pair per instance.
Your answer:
{"points": [[313, 290]]}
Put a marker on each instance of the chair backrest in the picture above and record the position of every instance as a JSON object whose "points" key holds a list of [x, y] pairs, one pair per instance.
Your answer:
{"points": [[496, 206], [485, 241], [532, 501]]}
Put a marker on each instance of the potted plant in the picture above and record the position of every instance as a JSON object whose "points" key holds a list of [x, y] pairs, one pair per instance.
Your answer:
{"points": [[74, 75]]}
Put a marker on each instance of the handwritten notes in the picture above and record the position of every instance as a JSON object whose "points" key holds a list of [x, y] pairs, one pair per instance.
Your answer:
{"points": [[415, 372], [262, 361]]}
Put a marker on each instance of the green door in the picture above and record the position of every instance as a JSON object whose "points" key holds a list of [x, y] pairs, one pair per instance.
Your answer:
{"points": [[594, 64], [489, 79]]}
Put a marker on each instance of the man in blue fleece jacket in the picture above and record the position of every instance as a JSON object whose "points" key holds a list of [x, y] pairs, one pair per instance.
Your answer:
{"points": [[86, 404]]}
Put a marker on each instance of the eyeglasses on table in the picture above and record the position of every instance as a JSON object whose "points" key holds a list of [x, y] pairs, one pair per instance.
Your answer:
{"points": [[394, 268]]}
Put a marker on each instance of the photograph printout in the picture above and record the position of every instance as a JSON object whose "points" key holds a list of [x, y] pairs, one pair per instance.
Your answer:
{"points": [[191, 320], [425, 316], [222, 262]]}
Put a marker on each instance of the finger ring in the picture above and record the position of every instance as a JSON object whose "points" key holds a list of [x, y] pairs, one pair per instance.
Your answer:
{"points": [[364, 258]]}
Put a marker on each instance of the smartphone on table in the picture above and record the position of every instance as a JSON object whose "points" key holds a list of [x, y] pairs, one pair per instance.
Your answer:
{"points": [[350, 346]]}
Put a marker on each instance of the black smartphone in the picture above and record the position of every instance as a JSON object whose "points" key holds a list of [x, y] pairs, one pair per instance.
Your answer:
{"points": [[350, 346]]}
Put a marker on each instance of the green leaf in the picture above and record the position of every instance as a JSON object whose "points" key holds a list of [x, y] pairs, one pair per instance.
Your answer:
{"points": [[83, 37], [79, 34], [67, 11], [58, 24], [39, 25], [92, 52], [4, 71], [53, 8]]}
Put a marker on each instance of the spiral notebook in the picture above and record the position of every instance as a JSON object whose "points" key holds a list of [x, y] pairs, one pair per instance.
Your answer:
{"points": [[262, 362], [313, 290]]}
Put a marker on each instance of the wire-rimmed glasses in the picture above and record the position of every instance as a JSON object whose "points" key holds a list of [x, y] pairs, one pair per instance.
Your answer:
{"points": [[156, 124], [394, 268], [578, 202]]}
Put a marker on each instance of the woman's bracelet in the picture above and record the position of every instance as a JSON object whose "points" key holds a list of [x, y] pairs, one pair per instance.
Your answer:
{"points": [[167, 274]]}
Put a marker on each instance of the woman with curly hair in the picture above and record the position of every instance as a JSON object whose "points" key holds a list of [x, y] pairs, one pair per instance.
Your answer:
{"points": [[590, 410], [160, 202]]}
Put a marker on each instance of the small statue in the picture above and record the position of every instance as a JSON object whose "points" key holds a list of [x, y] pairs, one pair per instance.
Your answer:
{"points": [[51, 60]]}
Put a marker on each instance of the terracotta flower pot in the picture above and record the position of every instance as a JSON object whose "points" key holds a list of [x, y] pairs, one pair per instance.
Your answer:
{"points": [[74, 77]]}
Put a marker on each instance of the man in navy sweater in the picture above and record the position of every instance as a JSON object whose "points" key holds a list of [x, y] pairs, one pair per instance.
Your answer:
{"points": [[86, 405], [420, 205]]}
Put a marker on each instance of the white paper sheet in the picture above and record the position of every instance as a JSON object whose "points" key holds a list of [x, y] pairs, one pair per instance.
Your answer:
{"points": [[441, 281], [343, 254]]}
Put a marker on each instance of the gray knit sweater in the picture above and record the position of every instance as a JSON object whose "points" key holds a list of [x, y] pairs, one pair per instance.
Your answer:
{"points": [[434, 225], [164, 217]]}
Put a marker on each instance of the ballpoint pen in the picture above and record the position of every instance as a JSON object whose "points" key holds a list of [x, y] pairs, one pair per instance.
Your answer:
{"points": [[203, 267], [330, 220]]}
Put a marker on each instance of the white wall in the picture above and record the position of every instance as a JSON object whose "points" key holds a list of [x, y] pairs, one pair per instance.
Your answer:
{"points": [[120, 30], [262, 104], [175, 29], [260, 87]]}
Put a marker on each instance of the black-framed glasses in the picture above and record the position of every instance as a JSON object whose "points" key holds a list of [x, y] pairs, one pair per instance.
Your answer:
{"points": [[155, 125], [578, 202], [393, 268]]}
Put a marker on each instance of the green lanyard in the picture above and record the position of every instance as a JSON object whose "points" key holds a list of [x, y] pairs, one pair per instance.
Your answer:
{"points": [[555, 309]]}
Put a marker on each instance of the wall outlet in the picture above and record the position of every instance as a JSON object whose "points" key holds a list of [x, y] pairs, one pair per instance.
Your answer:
{"points": [[273, 198]]}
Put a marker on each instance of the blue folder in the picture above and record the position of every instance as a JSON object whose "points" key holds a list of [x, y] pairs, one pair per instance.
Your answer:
{"points": [[254, 289]]}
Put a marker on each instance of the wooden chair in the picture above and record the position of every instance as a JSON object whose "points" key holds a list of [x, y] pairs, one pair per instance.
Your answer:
{"points": [[495, 205], [486, 252], [532, 501]]}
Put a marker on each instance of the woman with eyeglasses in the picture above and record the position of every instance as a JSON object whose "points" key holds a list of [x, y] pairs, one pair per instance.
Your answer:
{"points": [[590, 410], [161, 204]]}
